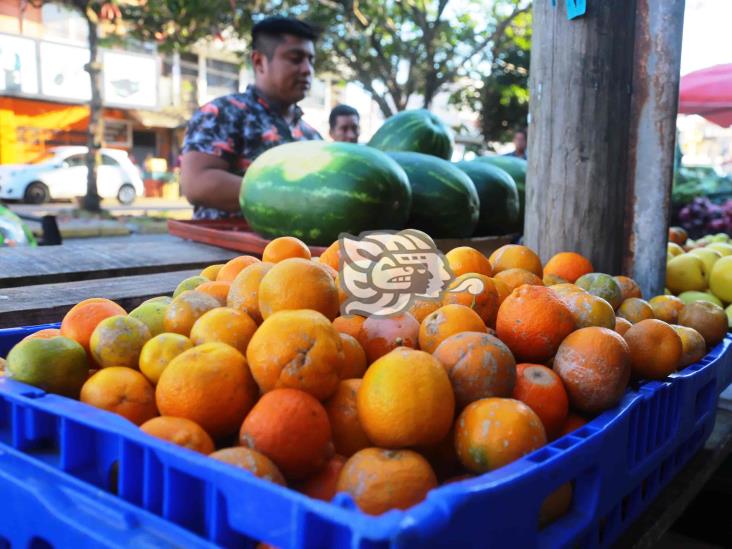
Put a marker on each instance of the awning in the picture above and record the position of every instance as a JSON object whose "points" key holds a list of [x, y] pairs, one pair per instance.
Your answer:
{"points": [[165, 118], [708, 93]]}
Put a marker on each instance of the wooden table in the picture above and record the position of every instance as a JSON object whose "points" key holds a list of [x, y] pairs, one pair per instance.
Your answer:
{"points": [[38, 285]]}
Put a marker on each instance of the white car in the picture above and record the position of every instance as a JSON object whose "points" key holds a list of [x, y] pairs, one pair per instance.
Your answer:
{"points": [[62, 174]]}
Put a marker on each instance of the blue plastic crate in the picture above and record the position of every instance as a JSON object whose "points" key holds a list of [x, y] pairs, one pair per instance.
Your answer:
{"points": [[618, 463]]}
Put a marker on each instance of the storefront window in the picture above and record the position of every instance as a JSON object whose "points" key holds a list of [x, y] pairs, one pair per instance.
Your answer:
{"points": [[63, 23]]}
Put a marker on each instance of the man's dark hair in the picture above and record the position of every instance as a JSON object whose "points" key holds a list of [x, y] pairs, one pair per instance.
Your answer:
{"points": [[269, 32], [523, 131], [341, 110]]}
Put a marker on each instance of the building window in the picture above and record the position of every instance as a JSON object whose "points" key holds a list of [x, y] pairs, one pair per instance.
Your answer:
{"points": [[221, 77], [63, 23]]}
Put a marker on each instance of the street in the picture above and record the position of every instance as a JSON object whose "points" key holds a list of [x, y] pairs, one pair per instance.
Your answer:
{"points": [[178, 208]]}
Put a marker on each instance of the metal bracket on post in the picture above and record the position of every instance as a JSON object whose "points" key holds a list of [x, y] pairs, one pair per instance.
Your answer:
{"points": [[575, 8]]}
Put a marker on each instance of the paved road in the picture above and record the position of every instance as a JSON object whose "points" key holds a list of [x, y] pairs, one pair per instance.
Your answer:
{"points": [[141, 206]]}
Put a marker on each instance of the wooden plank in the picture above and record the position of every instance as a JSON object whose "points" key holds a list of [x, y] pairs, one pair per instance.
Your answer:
{"points": [[45, 265], [44, 303]]}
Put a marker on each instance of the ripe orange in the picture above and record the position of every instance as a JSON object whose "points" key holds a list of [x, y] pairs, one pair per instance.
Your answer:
{"points": [[212, 271], [224, 325], [464, 260], [157, 353], [322, 485], [354, 358], [503, 290], [244, 290], [79, 323], [285, 247], [493, 432], [348, 435], [655, 349], [556, 504], [709, 319], [420, 308], [180, 431], [533, 321], [218, 289], [123, 391], [46, 333], [666, 308], [478, 365], [349, 324], [446, 321], [588, 310], [553, 280], [572, 423], [379, 480], [298, 284], [542, 390], [692, 344], [628, 287], [568, 265], [513, 278], [406, 400], [677, 235], [622, 325], [379, 336], [185, 309], [209, 384], [635, 309], [291, 428], [484, 303], [256, 463], [234, 266], [332, 256], [297, 349], [594, 365], [515, 256]]}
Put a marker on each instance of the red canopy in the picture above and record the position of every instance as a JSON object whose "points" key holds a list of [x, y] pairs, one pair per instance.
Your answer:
{"points": [[708, 92]]}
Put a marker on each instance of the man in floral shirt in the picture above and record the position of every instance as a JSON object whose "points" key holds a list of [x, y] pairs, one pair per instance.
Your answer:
{"points": [[226, 135]]}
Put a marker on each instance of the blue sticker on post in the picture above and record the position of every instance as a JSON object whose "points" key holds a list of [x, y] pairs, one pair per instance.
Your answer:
{"points": [[575, 8]]}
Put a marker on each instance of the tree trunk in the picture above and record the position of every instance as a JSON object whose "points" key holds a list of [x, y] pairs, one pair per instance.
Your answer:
{"points": [[92, 200], [658, 30], [580, 84]]}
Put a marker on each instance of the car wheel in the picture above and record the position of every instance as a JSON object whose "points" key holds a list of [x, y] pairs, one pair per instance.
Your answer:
{"points": [[126, 194], [36, 193]]}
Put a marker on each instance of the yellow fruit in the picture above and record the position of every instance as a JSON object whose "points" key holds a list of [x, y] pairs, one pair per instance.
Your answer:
{"points": [[691, 297], [720, 281], [674, 249], [159, 351], [728, 310], [118, 341], [722, 247], [686, 272], [709, 257], [189, 284]]}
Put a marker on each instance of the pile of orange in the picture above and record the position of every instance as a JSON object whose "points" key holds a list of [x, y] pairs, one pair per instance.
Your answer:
{"points": [[254, 364]]}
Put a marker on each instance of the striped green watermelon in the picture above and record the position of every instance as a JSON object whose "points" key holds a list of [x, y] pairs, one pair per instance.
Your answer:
{"points": [[516, 168], [445, 203], [316, 190], [415, 131], [499, 201]]}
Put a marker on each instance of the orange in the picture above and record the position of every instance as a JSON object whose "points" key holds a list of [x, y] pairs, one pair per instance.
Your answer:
{"points": [[291, 428], [589, 310], [692, 344], [443, 457], [556, 504], [185, 309], [628, 287], [234, 266], [209, 384], [46, 333], [478, 365], [533, 321], [379, 336], [542, 390], [666, 308], [212, 271], [123, 391], [485, 303], [217, 289], [328, 269], [157, 353], [572, 423], [655, 349], [420, 308], [298, 284], [348, 435], [464, 260], [354, 361], [332, 256], [322, 485], [349, 324], [594, 364], [379, 480], [180, 431], [224, 325], [602, 285], [493, 432], [709, 319], [446, 321], [79, 323], [406, 399], [553, 280], [566, 289], [244, 291], [568, 266], [677, 235], [118, 340], [297, 349], [515, 256], [635, 309], [513, 278], [621, 325], [285, 247], [256, 463], [503, 290]]}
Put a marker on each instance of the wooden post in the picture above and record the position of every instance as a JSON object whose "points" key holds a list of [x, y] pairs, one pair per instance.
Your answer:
{"points": [[658, 30], [580, 84]]}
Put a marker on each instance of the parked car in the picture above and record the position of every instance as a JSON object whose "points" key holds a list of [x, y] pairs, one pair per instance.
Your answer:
{"points": [[62, 174]]}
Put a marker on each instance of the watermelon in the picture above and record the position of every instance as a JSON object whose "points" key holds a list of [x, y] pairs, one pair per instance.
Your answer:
{"points": [[415, 131], [499, 201], [445, 203], [315, 191], [516, 168]]}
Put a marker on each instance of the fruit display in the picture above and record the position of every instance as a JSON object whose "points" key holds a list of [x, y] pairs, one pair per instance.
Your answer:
{"points": [[701, 216], [269, 377], [701, 270], [415, 130]]}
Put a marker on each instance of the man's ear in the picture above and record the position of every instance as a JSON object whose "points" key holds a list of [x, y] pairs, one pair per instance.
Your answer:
{"points": [[258, 61]]}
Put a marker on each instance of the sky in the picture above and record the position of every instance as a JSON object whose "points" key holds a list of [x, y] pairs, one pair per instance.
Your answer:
{"points": [[707, 38]]}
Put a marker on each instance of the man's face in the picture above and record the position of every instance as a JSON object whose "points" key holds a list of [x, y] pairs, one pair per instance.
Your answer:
{"points": [[519, 142], [287, 76], [346, 129]]}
